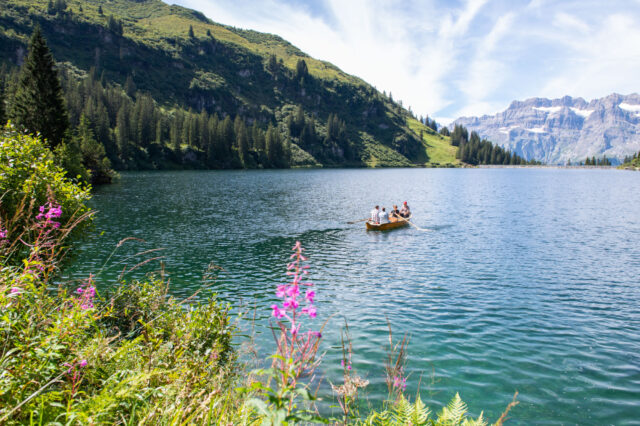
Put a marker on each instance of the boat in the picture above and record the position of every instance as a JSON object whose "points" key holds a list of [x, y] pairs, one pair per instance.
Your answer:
{"points": [[400, 223]]}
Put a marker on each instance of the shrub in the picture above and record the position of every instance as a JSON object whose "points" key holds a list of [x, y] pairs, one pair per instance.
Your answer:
{"points": [[29, 179]]}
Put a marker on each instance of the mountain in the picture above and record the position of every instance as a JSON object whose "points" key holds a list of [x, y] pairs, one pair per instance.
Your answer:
{"points": [[555, 131], [190, 65]]}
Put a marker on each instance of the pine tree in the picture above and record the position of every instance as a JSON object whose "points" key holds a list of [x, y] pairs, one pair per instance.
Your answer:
{"points": [[191, 33], [227, 137], [3, 117], [122, 132], [100, 12], [38, 105], [301, 69], [243, 144]]}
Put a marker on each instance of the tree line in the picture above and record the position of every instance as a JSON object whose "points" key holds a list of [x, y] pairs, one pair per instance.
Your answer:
{"points": [[593, 161], [476, 151], [632, 160], [94, 126]]}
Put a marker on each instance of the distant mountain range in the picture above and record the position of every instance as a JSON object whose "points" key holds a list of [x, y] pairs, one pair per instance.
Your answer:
{"points": [[556, 131]]}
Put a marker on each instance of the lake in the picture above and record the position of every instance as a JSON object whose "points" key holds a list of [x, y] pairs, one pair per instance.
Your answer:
{"points": [[523, 279]]}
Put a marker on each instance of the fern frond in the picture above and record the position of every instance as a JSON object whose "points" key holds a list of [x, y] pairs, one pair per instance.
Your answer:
{"points": [[402, 410], [378, 418], [420, 413], [477, 422], [453, 413]]}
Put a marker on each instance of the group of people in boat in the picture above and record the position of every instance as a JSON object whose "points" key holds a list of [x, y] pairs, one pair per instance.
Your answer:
{"points": [[382, 216]]}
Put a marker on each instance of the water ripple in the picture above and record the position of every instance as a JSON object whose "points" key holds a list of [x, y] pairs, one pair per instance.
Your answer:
{"points": [[525, 280]]}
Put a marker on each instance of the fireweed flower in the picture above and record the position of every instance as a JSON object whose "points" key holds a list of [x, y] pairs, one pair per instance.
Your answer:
{"points": [[50, 211], [86, 294], [309, 295], [277, 312], [309, 310], [297, 348]]}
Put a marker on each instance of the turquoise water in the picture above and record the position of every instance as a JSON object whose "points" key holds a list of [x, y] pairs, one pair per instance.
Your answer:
{"points": [[526, 279]]}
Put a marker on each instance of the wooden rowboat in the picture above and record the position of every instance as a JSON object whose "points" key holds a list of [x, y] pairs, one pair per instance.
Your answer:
{"points": [[400, 223]]}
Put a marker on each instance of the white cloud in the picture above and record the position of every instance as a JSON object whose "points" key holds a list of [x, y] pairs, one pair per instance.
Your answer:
{"points": [[604, 61], [565, 21], [470, 59]]}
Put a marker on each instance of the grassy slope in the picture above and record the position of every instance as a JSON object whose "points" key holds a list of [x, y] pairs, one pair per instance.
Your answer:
{"points": [[155, 40], [438, 147]]}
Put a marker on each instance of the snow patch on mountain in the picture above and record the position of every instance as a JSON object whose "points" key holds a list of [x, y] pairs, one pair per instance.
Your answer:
{"points": [[585, 113], [551, 110], [628, 107]]}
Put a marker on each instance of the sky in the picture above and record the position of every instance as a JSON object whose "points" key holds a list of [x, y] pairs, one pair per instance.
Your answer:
{"points": [[448, 59]]}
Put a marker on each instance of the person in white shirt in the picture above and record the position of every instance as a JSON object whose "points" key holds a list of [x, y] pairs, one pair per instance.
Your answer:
{"points": [[383, 216], [374, 215]]}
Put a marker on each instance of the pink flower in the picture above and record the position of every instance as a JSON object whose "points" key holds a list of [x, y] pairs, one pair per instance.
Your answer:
{"points": [[281, 290], [310, 310], [15, 290], [291, 304], [82, 363], [309, 295], [293, 291], [54, 212], [3, 233], [277, 312], [295, 329]]}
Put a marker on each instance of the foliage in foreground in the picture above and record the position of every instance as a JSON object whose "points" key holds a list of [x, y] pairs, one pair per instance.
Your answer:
{"points": [[137, 355], [30, 178], [72, 356]]}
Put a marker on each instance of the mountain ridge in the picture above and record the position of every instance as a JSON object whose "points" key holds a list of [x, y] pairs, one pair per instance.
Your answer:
{"points": [[223, 70], [564, 129]]}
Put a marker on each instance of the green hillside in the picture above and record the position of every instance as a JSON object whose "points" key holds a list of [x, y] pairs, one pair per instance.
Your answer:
{"points": [[193, 68]]}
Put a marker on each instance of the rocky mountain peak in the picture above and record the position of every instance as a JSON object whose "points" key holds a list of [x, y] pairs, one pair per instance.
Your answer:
{"points": [[556, 131]]}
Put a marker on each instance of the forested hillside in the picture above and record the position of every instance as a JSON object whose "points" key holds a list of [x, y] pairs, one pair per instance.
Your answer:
{"points": [[162, 86]]}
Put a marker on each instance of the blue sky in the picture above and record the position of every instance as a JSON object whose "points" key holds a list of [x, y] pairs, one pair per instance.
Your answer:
{"points": [[455, 58]]}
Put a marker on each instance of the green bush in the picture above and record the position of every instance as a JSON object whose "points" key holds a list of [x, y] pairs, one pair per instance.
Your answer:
{"points": [[29, 178]]}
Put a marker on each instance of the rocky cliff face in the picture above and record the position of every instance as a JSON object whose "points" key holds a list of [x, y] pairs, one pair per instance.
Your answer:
{"points": [[567, 129]]}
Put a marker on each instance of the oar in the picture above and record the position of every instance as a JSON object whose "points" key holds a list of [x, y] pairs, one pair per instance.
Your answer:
{"points": [[413, 224], [356, 221]]}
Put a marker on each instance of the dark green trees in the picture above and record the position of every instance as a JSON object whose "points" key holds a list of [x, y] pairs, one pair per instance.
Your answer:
{"points": [[3, 116], [302, 71], [459, 135], [191, 33], [476, 151], [37, 105]]}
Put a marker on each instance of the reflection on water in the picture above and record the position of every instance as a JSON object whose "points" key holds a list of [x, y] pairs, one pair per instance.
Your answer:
{"points": [[527, 279]]}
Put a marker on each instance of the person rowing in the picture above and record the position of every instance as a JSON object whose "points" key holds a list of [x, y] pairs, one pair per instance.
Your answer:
{"points": [[405, 211], [394, 214]]}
